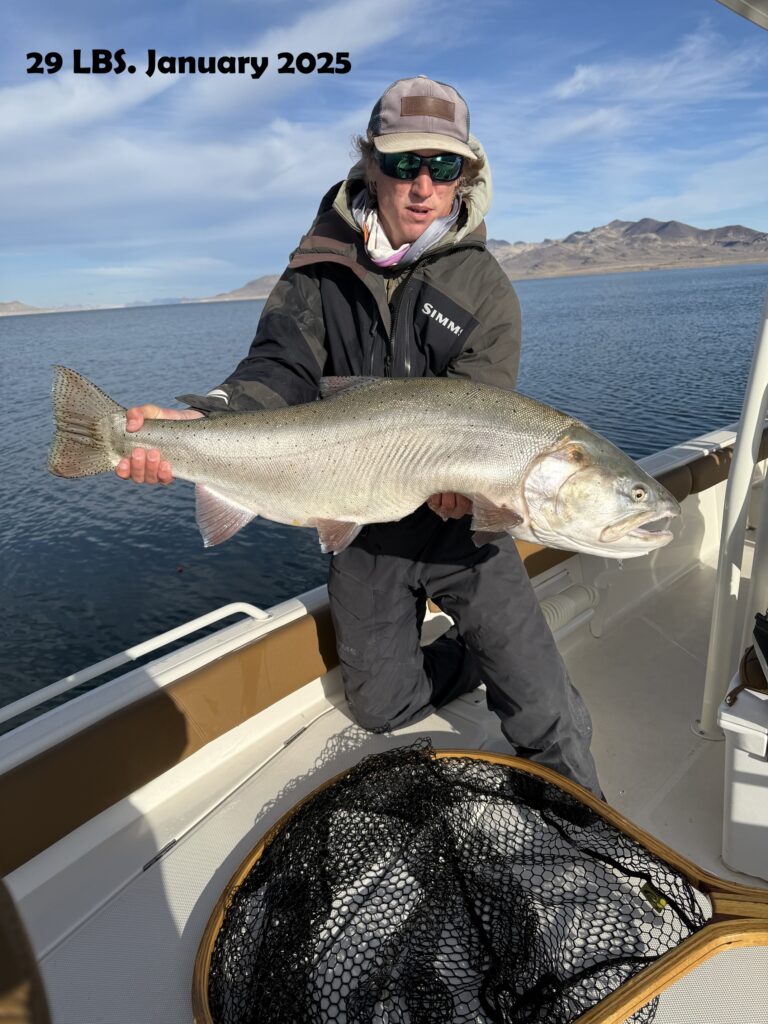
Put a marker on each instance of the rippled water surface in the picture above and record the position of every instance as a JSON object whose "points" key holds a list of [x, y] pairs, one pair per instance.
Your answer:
{"points": [[93, 566]]}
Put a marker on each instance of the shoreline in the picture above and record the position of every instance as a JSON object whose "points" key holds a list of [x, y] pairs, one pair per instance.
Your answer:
{"points": [[638, 268], [141, 305], [703, 264]]}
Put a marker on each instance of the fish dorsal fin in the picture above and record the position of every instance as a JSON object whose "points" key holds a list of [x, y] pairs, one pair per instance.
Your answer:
{"points": [[335, 536], [218, 516], [493, 519], [332, 386]]}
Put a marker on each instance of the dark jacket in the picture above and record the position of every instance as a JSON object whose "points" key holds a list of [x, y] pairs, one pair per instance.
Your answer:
{"points": [[452, 313]]}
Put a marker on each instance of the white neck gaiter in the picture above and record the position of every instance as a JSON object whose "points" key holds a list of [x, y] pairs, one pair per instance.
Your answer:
{"points": [[378, 246]]}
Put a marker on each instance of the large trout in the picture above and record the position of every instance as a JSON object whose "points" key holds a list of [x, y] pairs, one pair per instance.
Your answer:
{"points": [[372, 451]]}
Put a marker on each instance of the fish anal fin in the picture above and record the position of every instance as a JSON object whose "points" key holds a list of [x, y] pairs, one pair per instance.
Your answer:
{"points": [[488, 518], [334, 535], [218, 516], [330, 386]]}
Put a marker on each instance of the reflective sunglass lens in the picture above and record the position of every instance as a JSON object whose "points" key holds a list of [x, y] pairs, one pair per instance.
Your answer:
{"points": [[445, 168], [406, 166]]}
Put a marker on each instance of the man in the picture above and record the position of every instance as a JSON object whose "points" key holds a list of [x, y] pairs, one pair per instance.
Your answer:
{"points": [[394, 279]]}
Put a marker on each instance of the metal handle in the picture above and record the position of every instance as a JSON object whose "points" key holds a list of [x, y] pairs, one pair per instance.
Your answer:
{"points": [[130, 654]]}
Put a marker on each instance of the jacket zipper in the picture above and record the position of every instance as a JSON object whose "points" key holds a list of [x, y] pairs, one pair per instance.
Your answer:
{"points": [[390, 356], [372, 345], [396, 317]]}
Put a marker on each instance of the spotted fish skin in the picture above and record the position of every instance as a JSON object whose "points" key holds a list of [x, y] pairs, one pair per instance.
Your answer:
{"points": [[372, 451]]}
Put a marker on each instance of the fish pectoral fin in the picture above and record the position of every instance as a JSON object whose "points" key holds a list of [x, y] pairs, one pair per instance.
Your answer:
{"points": [[334, 535], [489, 521], [330, 386], [218, 516]]}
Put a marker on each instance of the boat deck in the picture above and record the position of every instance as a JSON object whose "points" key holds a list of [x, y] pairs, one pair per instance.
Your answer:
{"points": [[129, 958], [643, 682]]}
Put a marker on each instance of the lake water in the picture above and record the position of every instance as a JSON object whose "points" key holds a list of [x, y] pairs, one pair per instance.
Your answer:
{"points": [[93, 566]]}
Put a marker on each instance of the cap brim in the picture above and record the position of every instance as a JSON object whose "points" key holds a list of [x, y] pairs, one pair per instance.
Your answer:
{"points": [[404, 142]]}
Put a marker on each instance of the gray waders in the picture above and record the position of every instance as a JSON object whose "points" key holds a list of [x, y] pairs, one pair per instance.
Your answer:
{"points": [[378, 589]]}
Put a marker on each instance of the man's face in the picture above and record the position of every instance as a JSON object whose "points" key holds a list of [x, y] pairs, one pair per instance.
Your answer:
{"points": [[407, 208]]}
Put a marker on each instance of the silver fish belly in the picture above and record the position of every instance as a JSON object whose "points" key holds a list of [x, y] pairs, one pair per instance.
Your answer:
{"points": [[373, 451]]}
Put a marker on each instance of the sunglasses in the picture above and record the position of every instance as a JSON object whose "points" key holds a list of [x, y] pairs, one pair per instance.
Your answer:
{"points": [[406, 166]]}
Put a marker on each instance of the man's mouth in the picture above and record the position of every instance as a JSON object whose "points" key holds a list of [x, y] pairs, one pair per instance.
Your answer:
{"points": [[420, 210]]}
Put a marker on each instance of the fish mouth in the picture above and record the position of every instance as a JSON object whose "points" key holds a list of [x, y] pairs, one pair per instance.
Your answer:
{"points": [[638, 527]]}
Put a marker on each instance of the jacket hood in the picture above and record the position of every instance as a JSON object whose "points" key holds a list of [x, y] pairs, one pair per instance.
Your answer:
{"points": [[476, 201]]}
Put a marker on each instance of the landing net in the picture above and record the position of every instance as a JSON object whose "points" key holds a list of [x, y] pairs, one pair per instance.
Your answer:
{"points": [[417, 890]]}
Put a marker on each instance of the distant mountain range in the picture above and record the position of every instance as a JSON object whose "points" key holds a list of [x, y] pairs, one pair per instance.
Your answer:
{"points": [[631, 245], [622, 245], [259, 288]]}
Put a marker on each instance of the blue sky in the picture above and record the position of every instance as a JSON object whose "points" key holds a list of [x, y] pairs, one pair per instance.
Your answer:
{"points": [[118, 188]]}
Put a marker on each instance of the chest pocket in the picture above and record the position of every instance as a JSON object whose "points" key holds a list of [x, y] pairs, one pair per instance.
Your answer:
{"points": [[441, 326]]}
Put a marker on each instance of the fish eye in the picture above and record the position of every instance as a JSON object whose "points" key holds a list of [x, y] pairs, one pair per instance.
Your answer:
{"points": [[639, 493], [575, 455]]}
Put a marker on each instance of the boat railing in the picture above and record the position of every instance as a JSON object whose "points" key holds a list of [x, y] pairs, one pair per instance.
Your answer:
{"points": [[129, 655], [726, 631]]}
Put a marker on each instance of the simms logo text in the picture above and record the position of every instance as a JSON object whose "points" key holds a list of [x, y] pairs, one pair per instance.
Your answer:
{"points": [[430, 310]]}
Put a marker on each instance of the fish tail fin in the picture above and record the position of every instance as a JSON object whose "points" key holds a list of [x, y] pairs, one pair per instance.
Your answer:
{"points": [[81, 444]]}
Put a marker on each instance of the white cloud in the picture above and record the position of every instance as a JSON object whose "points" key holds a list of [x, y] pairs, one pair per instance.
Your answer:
{"points": [[159, 268], [120, 172], [141, 176], [708, 189], [626, 182], [592, 124], [629, 138], [64, 103], [352, 26], [701, 66]]}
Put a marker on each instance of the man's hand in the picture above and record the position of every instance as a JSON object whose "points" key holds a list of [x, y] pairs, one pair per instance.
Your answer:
{"points": [[450, 505], [146, 467]]}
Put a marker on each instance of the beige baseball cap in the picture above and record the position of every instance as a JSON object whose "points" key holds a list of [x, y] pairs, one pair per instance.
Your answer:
{"points": [[418, 113]]}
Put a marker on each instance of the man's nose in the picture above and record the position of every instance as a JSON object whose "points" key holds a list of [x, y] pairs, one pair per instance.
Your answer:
{"points": [[422, 183]]}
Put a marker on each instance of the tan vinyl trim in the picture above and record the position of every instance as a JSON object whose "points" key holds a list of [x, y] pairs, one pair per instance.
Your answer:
{"points": [[72, 782], [537, 559], [678, 481]]}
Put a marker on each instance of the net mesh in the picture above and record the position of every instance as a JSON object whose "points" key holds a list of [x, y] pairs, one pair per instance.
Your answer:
{"points": [[418, 890]]}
